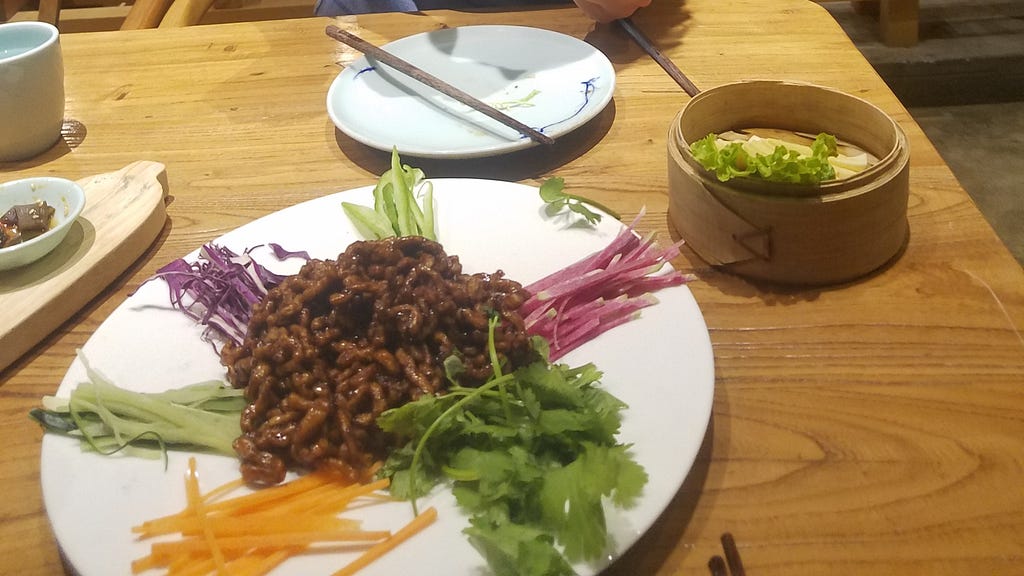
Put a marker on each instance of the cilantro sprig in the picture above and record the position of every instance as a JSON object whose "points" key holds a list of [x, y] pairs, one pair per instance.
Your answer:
{"points": [[531, 457], [552, 191]]}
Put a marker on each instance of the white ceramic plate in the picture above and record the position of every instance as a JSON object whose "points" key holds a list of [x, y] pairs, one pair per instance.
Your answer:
{"points": [[660, 364], [549, 81]]}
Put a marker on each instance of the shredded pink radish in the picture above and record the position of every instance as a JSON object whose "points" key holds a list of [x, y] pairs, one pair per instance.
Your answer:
{"points": [[599, 292]]}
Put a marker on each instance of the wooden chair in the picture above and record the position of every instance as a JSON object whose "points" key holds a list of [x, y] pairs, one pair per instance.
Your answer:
{"points": [[8, 8], [184, 13], [145, 14], [142, 14], [49, 11]]}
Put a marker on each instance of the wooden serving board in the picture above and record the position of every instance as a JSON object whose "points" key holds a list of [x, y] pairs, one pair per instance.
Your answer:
{"points": [[124, 212]]}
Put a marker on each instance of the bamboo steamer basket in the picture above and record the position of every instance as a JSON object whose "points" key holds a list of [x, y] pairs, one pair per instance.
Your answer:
{"points": [[827, 233]]}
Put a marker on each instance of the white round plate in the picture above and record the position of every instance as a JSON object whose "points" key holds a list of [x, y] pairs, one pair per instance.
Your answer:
{"points": [[661, 365], [549, 81]]}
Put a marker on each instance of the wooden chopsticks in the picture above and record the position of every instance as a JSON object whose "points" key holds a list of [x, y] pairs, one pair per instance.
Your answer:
{"points": [[717, 565], [664, 61], [434, 82]]}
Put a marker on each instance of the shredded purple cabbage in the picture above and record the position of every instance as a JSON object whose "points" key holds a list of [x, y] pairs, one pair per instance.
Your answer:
{"points": [[282, 253], [220, 288]]}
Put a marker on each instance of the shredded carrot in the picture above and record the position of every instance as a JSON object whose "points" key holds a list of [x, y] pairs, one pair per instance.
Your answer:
{"points": [[251, 534], [195, 504], [142, 564], [241, 506], [424, 519], [224, 489], [267, 496], [169, 550], [192, 565], [270, 561], [263, 524]]}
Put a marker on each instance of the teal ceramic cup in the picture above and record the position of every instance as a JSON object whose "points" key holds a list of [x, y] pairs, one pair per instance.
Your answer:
{"points": [[31, 89]]}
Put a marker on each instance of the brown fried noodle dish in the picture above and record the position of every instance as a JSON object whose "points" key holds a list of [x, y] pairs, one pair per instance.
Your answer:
{"points": [[331, 348]]}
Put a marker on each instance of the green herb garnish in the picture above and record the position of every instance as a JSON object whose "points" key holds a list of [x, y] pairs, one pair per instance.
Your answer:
{"points": [[531, 456], [552, 191]]}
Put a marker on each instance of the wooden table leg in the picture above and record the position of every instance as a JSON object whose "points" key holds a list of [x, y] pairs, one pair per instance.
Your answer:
{"points": [[899, 22]]}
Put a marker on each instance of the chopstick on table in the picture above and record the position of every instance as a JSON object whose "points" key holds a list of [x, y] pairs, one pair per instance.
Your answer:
{"points": [[434, 82], [664, 61], [732, 555], [718, 566]]}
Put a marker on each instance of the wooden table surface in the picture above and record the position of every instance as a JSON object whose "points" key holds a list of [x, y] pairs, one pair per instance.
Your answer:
{"points": [[875, 427]]}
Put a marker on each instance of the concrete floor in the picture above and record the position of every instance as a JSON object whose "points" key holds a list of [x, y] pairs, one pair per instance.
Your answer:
{"points": [[964, 85]]}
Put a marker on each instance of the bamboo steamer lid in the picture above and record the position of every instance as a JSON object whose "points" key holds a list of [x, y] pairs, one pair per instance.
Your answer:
{"points": [[827, 233]]}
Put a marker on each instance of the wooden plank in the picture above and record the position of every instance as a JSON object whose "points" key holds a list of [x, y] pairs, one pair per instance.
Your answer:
{"points": [[124, 212]]}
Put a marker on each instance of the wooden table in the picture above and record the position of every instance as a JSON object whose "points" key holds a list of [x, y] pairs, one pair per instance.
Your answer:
{"points": [[869, 428]]}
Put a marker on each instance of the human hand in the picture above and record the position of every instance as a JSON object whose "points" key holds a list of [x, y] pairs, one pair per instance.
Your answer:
{"points": [[608, 10]]}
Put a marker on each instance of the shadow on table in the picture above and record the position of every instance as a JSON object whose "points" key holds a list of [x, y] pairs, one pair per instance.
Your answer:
{"points": [[72, 135], [664, 24], [512, 167]]}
